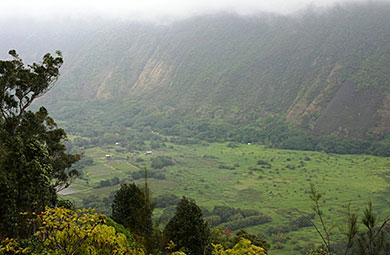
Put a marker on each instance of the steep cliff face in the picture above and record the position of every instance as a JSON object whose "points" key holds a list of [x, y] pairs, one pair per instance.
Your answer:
{"points": [[327, 72]]}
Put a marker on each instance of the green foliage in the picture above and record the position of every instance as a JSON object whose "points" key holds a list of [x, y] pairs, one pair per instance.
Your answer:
{"points": [[133, 209], [373, 240], [111, 182], [65, 203], [25, 185], [318, 251], [280, 135], [119, 228], [167, 214], [84, 162], [380, 148], [187, 229], [161, 161], [246, 222], [164, 201], [325, 233], [244, 246], [33, 160], [10, 246], [64, 231], [255, 240], [230, 218]]}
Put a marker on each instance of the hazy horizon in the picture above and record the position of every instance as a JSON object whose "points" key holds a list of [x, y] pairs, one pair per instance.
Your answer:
{"points": [[153, 10]]}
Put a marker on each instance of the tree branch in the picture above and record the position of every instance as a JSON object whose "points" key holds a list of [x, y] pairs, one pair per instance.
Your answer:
{"points": [[314, 225]]}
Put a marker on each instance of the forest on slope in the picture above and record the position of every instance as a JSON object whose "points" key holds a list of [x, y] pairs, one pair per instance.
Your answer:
{"points": [[324, 70]]}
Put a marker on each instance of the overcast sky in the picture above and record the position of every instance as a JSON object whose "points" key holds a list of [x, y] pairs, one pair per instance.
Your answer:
{"points": [[150, 9]]}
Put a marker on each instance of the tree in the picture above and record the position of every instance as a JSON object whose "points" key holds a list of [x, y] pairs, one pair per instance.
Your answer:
{"points": [[132, 208], [254, 239], [64, 231], [374, 240], [325, 234], [33, 158], [244, 246], [187, 229]]}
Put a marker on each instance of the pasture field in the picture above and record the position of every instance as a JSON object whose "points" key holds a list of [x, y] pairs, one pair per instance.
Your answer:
{"points": [[274, 182]]}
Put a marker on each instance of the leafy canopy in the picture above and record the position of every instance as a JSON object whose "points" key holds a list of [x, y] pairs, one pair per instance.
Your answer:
{"points": [[33, 158], [64, 231], [187, 229], [132, 208], [244, 246]]}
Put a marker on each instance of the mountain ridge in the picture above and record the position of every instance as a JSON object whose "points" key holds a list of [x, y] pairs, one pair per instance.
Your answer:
{"points": [[227, 67]]}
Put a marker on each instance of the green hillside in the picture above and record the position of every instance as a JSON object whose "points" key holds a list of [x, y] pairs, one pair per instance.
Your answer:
{"points": [[326, 71]]}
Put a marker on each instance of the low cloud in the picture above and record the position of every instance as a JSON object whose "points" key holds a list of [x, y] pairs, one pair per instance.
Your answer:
{"points": [[152, 10]]}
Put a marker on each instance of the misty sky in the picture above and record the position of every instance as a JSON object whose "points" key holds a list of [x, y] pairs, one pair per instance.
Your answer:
{"points": [[149, 9]]}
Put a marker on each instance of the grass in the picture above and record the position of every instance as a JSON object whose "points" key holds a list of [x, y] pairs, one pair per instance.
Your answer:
{"points": [[277, 191]]}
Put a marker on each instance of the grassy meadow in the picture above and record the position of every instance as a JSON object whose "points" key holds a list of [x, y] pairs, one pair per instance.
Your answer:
{"points": [[274, 182]]}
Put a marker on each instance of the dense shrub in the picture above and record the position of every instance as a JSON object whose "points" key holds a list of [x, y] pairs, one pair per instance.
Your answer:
{"points": [[161, 161], [166, 200], [278, 229], [300, 222], [213, 220], [111, 182]]}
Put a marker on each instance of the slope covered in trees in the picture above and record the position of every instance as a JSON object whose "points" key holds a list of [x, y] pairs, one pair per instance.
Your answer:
{"points": [[326, 71]]}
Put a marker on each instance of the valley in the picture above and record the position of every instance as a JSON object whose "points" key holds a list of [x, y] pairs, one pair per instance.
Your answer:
{"points": [[241, 113], [271, 181]]}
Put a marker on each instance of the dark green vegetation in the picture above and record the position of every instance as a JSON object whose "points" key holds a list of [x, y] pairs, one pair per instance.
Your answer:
{"points": [[188, 229], [33, 159], [132, 208], [325, 71]]}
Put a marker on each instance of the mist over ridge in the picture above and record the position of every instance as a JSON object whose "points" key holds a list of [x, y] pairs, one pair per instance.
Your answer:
{"points": [[304, 67], [153, 11]]}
